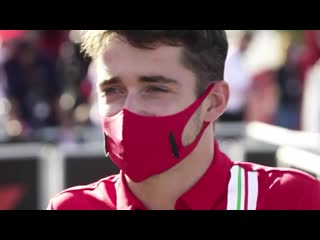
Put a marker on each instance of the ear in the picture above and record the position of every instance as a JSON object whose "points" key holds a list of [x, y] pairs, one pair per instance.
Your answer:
{"points": [[217, 101]]}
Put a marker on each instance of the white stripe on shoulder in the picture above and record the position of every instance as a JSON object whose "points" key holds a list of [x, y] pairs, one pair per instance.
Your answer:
{"points": [[253, 190], [242, 193], [233, 189], [236, 189]]}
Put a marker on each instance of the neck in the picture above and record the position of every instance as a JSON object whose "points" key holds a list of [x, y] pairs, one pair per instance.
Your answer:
{"points": [[162, 191]]}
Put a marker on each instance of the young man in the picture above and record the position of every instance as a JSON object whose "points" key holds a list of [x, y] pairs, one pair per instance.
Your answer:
{"points": [[160, 93]]}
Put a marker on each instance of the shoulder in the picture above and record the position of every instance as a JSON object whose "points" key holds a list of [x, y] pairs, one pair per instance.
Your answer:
{"points": [[95, 196], [285, 188]]}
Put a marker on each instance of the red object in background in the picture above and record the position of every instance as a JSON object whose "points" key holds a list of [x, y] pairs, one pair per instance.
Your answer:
{"points": [[311, 51], [262, 98], [86, 89], [6, 35], [10, 196], [52, 40]]}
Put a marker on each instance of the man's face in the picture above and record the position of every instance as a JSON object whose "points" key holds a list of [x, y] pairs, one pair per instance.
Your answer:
{"points": [[146, 82]]}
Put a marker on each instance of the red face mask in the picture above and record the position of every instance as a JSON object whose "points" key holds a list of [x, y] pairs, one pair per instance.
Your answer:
{"points": [[143, 146]]}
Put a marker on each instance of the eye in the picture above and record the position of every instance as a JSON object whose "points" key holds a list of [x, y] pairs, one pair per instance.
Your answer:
{"points": [[155, 89], [110, 91]]}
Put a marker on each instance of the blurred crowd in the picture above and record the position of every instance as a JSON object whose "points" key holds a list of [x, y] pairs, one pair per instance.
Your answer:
{"points": [[45, 81], [283, 93]]}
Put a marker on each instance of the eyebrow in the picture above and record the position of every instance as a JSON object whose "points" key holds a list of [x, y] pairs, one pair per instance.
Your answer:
{"points": [[142, 79], [110, 81], [158, 79]]}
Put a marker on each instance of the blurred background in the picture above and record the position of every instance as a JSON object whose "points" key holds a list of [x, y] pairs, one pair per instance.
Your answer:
{"points": [[50, 136]]}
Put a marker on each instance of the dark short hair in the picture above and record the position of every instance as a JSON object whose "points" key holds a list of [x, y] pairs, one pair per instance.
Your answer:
{"points": [[204, 52]]}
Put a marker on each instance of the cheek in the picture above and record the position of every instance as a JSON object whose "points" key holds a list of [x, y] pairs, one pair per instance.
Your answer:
{"points": [[192, 128], [161, 109], [169, 105], [158, 106], [107, 110], [102, 109]]}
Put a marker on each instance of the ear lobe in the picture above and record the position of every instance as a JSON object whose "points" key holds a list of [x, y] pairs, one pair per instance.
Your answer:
{"points": [[217, 101]]}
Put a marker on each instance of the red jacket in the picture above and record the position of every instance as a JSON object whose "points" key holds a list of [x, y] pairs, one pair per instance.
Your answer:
{"points": [[226, 185]]}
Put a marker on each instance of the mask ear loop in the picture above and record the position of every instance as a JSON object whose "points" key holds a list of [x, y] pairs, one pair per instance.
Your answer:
{"points": [[196, 104], [172, 139]]}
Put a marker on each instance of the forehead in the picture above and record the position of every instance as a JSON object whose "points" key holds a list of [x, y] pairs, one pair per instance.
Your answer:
{"points": [[121, 44], [120, 58]]}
